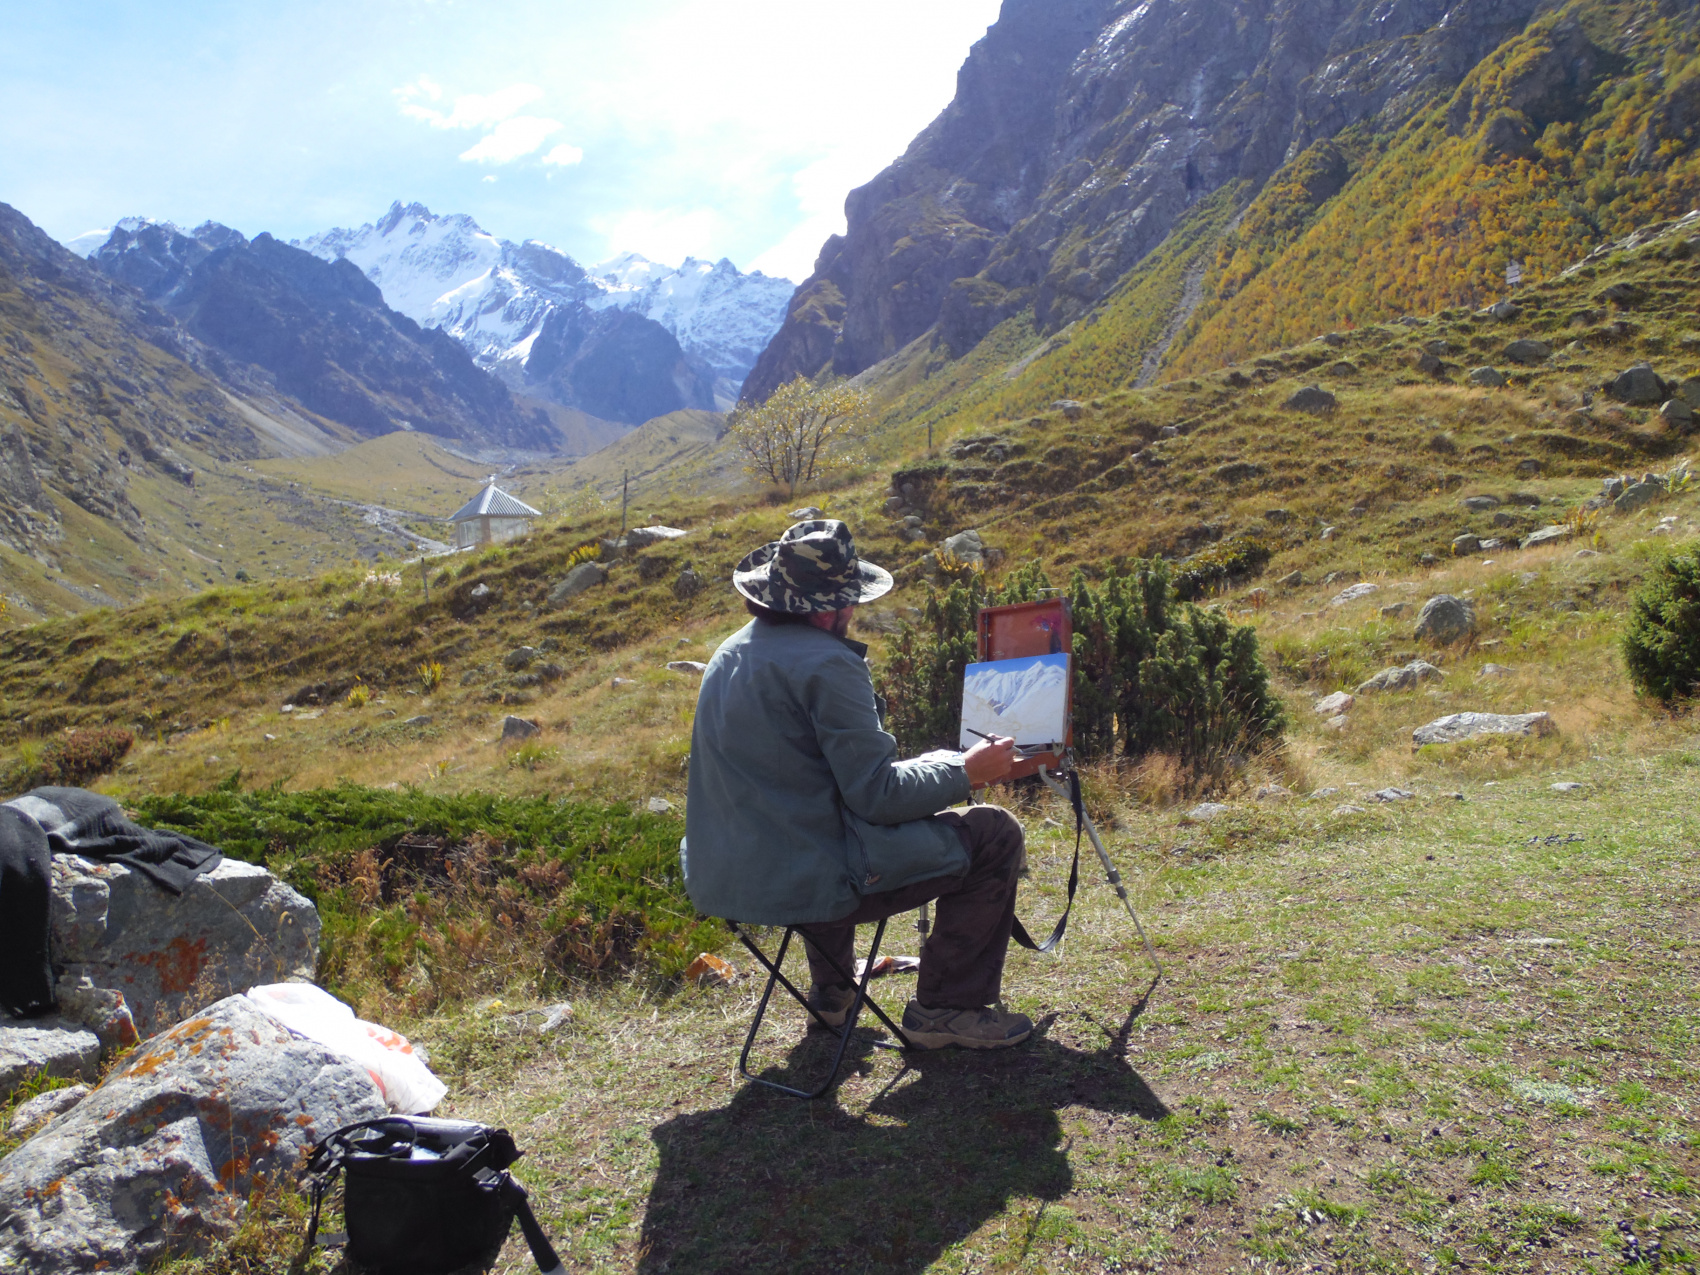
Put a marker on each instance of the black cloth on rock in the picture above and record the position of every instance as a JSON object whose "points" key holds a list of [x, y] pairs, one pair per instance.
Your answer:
{"points": [[49, 821], [78, 821], [26, 881]]}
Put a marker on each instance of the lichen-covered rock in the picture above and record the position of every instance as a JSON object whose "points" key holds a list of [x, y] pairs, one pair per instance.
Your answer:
{"points": [[51, 1045], [1545, 535], [1402, 678], [161, 1158], [115, 931], [586, 575], [1457, 727], [1446, 619], [1637, 386]]}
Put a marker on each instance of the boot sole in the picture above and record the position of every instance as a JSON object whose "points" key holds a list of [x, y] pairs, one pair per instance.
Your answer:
{"points": [[944, 1040]]}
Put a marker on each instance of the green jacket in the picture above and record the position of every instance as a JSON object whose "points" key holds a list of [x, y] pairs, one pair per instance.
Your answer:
{"points": [[797, 805]]}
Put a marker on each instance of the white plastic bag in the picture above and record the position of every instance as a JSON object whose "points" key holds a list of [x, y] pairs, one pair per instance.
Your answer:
{"points": [[403, 1079]]}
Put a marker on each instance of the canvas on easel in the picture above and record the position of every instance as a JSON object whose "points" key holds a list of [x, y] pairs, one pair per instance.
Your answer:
{"points": [[1023, 684]]}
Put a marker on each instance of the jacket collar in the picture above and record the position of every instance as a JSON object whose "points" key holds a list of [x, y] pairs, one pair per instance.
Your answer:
{"points": [[860, 648]]}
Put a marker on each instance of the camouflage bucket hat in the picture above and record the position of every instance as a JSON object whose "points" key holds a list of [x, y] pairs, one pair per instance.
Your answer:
{"points": [[812, 567]]}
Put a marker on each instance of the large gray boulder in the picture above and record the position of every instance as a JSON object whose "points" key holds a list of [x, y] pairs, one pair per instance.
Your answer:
{"points": [[123, 947], [967, 548], [1528, 352], [1545, 535], [1635, 495], [1445, 619], [1313, 399], [587, 575], [161, 1158], [1638, 386], [1457, 727]]}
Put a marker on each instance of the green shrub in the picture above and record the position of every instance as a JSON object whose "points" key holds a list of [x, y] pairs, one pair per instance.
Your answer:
{"points": [[1661, 642], [1224, 563], [1149, 675], [71, 759]]}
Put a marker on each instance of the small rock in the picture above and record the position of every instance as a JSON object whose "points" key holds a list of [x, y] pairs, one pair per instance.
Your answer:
{"points": [[1678, 415], [708, 970], [287, 708], [688, 585], [1336, 723], [1070, 409], [1488, 546], [1426, 560], [1348, 810], [1273, 792], [1546, 535], [1391, 794], [1466, 544], [1403, 678], [1638, 386], [1205, 811], [1352, 594], [1428, 363], [1503, 310], [1168, 431], [424, 719], [1586, 553], [520, 657], [1528, 352], [1526, 499], [1326, 534], [555, 1017], [658, 805], [1487, 378], [618, 682], [806, 514], [518, 728], [1528, 468], [1393, 611], [587, 575], [1567, 787], [1635, 495], [895, 504], [912, 521], [1445, 619], [1480, 504], [1496, 670], [967, 548], [1313, 399], [44, 1106], [1456, 727], [693, 667], [1292, 580], [1335, 704], [1627, 295]]}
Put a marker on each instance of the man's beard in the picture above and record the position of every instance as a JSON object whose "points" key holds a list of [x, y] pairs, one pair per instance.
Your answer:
{"points": [[841, 623]]}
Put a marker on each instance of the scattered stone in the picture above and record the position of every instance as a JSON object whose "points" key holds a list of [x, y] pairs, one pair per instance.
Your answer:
{"points": [[1627, 295], [1636, 495], [1545, 535], [1528, 468], [287, 708], [1348, 810], [1525, 499], [1168, 431], [1565, 605], [1070, 409], [1677, 414], [805, 514], [914, 535], [895, 504], [44, 1106], [1278, 517], [520, 657], [1567, 787], [1487, 378], [423, 719], [1391, 794], [1313, 399], [1496, 670], [1239, 471], [688, 585], [1456, 727], [555, 1017], [1426, 560], [1353, 593], [694, 667], [130, 958], [1335, 704], [1445, 619], [913, 521], [1326, 534], [1402, 678], [587, 575], [618, 682], [1503, 310], [1480, 504], [1428, 363], [1466, 544], [1292, 580], [1205, 811], [164, 1161], [709, 970], [1528, 352], [1689, 392], [518, 728], [1639, 386], [52, 1045], [1393, 610], [1336, 723], [1586, 553], [658, 805], [1489, 545], [1273, 792], [643, 537]]}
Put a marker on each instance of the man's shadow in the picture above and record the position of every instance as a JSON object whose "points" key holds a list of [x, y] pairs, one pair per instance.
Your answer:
{"points": [[774, 1183]]}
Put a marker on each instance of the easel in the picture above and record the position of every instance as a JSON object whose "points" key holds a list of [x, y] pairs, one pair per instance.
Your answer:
{"points": [[1046, 627]]}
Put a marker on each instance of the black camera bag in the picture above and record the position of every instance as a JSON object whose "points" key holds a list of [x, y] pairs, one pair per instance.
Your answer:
{"points": [[424, 1196]]}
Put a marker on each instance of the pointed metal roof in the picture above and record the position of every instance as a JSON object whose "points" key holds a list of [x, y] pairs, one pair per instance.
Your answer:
{"points": [[494, 502]]}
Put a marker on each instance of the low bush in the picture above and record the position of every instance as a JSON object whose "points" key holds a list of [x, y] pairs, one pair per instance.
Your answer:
{"points": [[1226, 563], [428, 899], [1661, 640], [72, 759]]}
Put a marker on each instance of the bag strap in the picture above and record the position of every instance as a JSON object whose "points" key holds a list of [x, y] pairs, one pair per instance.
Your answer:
{"points": [[1018, 931]]}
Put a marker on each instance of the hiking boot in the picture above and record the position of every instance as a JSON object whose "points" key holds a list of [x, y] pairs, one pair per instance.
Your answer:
{"points": [[969, 1028], [831, 1003]]}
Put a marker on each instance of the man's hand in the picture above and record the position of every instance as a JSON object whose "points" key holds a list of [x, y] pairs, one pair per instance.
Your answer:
{"points": [[989, 761]]}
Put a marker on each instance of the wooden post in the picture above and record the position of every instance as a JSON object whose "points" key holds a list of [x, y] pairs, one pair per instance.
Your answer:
{"points": [[424, 576], [929, 438], [625, 481]]}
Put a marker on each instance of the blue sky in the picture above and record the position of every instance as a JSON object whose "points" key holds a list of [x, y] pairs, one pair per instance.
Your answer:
{"points": [[667, 127]]}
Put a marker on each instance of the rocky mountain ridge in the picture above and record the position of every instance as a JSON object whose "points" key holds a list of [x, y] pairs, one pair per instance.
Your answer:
{"points": [[509, 303], [1082, 132]]}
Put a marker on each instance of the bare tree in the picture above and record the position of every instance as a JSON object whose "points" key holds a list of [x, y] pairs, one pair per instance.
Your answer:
{"points": [[800, 434]]}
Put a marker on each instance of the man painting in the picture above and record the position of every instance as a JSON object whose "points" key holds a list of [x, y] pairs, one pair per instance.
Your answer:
{"points": [[800, 813]]}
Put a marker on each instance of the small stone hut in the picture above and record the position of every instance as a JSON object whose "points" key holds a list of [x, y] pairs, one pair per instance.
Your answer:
{"points": [[491, 517]]}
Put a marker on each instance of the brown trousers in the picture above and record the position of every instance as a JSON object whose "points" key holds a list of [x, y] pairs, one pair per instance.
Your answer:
{"points": [[962, 959]]}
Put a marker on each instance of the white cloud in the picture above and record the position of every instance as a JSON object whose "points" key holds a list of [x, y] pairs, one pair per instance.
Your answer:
{"points": [[471, 110], [511, 139], [667, 235], [488, 177], [564, 155]]}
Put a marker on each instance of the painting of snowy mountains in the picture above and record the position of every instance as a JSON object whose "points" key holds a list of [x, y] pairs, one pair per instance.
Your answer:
{"points": [[1026, 699]]}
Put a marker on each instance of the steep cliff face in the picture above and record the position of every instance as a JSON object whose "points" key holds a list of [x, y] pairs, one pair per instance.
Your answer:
{"points": [[1082, 130]]}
